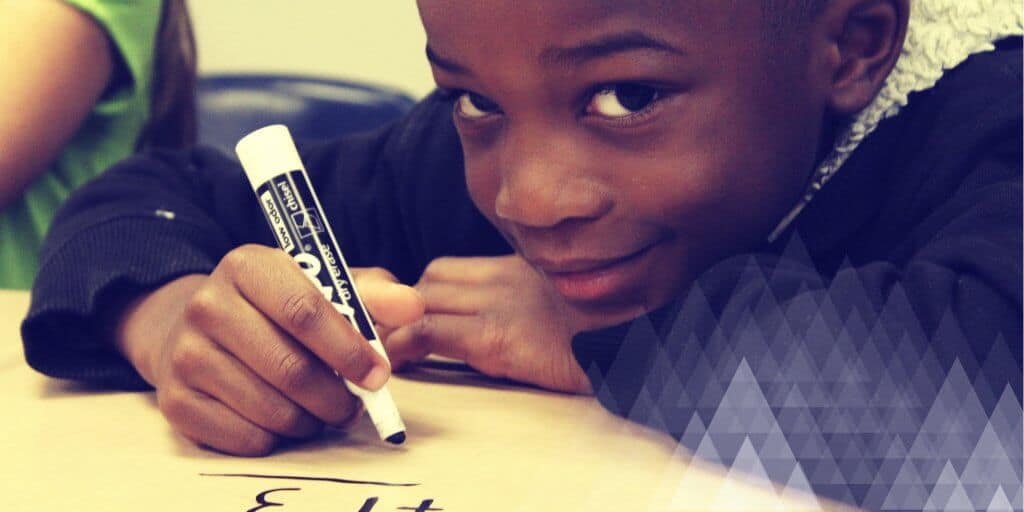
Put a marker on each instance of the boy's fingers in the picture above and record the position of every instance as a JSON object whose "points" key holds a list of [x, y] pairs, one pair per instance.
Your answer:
{"points": [[275, 285], [462, 269], [389, 303], [280, 360], [209, 422], [456, 336], [226, 379], [468, 270], [403, 347], [456, 298]]}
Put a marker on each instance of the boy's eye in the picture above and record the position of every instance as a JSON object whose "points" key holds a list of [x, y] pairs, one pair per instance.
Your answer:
{"points": [[474, 106], [621, 100]]}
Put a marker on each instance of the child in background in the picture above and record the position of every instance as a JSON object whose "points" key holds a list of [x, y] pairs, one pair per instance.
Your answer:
{"points": [[607, 197], [85, 83]]}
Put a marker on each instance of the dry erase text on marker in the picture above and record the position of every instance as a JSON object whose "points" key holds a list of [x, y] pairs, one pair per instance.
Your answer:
{"points": [[311, 267], [332, 267]]}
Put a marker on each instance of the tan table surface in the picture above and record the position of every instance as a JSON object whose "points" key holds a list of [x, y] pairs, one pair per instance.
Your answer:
{"points": [[473, 445]]}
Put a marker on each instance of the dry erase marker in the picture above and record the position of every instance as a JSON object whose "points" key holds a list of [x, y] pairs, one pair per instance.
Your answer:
{"points": [[284, 192]]}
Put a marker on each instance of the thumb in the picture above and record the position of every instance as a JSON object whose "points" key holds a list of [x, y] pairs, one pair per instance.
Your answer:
{"points": [[390, 303]]}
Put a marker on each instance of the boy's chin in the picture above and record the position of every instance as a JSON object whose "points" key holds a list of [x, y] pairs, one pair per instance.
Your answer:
{"points": [[607, 312]]}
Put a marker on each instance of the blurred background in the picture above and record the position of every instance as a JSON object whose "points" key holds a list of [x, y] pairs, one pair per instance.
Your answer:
{"points": [[373, 42]]}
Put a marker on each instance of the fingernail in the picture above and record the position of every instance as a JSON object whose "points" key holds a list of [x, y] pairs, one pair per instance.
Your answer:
{"points": [[376, 379]]}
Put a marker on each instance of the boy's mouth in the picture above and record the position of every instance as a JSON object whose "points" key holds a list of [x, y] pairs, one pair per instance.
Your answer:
{"points": [[595, 280]]}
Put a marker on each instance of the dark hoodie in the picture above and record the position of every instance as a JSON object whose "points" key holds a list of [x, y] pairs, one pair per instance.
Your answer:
{"points": [[889, 311]]}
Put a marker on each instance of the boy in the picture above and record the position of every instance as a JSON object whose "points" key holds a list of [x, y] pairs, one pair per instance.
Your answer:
{"points": [[577, 208]]}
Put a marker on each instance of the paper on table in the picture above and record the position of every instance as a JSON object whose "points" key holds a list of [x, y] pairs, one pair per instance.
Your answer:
{"points": [[473, 446]]}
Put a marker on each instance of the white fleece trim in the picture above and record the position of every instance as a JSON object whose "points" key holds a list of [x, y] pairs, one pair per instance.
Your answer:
{"points": [[941, 34]]}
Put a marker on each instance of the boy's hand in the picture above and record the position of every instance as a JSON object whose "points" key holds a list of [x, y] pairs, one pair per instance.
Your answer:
{"points": [[501, 317], [248, 355]]}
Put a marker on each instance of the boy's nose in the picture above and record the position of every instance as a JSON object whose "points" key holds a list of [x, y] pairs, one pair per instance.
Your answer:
{"points": [[544, 182]]}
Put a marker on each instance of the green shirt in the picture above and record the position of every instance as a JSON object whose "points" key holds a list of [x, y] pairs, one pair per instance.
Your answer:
{"points": [[107, 135]]}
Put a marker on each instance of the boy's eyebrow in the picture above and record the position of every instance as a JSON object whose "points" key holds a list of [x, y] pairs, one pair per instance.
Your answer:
{"points": [[576, 55], [605, 46], [446, 64]]}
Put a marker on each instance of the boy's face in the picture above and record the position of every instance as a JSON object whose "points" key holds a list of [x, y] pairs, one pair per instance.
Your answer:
{"points": [[623, 147]]}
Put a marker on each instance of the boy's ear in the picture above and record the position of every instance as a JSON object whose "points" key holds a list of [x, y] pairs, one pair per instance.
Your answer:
{"points": [[865, 39]]}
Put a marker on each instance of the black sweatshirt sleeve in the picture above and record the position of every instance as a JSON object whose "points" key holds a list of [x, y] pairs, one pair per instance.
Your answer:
{"points": [[395, 197], [966, 276], [146, 221], [908, 325]]}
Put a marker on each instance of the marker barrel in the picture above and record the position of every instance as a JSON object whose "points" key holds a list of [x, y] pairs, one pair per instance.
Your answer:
{"points": [[293, 211]]}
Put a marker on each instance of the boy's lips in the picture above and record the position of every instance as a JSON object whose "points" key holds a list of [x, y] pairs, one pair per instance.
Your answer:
{"points": [[594, 279]]}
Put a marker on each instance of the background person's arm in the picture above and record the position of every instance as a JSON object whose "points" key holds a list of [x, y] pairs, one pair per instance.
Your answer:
{"points": [[55, 62]]}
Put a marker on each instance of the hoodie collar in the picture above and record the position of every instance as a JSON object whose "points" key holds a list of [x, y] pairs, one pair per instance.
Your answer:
{"points": [[941, 34]]}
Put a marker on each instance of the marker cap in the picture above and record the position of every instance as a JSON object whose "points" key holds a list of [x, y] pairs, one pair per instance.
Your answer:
{"points": [[266, 153]]}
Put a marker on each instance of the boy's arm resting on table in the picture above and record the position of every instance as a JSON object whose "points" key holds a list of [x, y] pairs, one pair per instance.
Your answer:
{"points": [[52, 80], [154, 218], [144, 222], [941, 286], [930, 211], [389, 194], [876, 330], [749, 355]]}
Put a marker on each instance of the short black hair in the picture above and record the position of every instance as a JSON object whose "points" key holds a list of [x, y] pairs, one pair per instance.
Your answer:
{"points": [[782, 16], [783, 11], [807, 7]]}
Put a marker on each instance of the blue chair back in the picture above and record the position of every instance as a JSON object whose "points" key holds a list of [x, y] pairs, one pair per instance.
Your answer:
{"points": [[232, 105]]}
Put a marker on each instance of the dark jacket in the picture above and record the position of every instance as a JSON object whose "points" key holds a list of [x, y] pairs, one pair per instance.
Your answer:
{"points": [[897, 290]]}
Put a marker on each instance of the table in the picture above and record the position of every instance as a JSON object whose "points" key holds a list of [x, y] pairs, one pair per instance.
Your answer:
{"points": [[474, 445]]}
